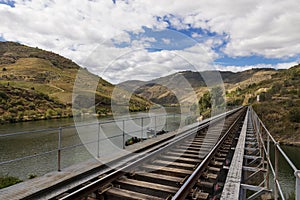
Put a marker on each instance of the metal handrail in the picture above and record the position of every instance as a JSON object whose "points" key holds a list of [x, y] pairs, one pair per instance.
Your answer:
{"points": [[59, 130], [119, 172], [261, 129], [83, 125]]}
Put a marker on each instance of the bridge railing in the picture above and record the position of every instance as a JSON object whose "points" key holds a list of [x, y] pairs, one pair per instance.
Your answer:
{"points": [[53, 143], [265, 141]]}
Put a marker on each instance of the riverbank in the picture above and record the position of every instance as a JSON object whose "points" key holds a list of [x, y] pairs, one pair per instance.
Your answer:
{"points": [[44, 117]]}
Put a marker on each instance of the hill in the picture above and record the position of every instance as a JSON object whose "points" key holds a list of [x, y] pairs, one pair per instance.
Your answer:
{"points": [[47, 79], [278, 105], [158, 90], [278, 91]]}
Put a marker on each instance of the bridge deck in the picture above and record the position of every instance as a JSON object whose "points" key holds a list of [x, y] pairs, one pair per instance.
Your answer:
{"points": [[35, 185], [232, 185]]}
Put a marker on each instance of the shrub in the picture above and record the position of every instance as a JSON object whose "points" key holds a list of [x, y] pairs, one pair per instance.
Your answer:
{"points": [[31, 176], [20, 108], [31, 106], [12, 110], [275, 88], [3, 95], [205, 102], [20, 116], [6, 181], [31, 113], [50, 113], [265, 96], [294, 115]]}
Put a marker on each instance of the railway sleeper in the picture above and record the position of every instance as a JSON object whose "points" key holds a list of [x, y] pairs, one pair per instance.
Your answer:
{"points": [[174, 164], [158, 178], [204, 145], [206, 139], [195, 148], [184, 155], [169, 171], [181, 159], [118, 193], [186, 150], [145, 187]]}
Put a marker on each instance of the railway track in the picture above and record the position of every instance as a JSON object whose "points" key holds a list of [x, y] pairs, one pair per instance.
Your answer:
{"points": [[192, 166]]}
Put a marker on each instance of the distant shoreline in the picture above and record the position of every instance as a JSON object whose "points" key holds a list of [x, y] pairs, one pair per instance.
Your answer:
{"points": [[16, 120]]}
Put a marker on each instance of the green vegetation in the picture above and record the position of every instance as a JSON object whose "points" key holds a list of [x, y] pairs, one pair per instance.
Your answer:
{"points": [[205, 105], [19, 104], [37, 84], [6, 181], [291, 196], [32, 176], [278, 105], [211, 100], [159, 90]]}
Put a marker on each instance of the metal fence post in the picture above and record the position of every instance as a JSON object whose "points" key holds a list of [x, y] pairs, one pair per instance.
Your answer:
{"points": [[123, 134], [142, 128], [167, 123], [268, 167], [276, 172], [297, 174], [98, 147], [155, 126], [59, 150]]}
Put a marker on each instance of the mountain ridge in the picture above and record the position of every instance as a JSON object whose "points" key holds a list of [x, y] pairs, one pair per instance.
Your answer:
{"points": [[157, 88]]}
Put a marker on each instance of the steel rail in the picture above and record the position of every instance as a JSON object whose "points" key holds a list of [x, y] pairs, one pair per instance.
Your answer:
{"points": [[90, 188], [192, 180]]}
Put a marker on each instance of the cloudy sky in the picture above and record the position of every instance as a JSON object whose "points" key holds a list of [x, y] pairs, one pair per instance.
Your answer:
{"points": [[145, 39]]}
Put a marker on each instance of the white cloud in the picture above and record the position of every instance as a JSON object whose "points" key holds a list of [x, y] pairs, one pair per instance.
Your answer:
{"points": [[121, 64], [268, 28], [166, 40], [196, 35], [74, 29], [241, 68]]}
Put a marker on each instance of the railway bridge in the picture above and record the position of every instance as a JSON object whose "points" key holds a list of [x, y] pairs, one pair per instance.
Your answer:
{"points": [[224, 157]]}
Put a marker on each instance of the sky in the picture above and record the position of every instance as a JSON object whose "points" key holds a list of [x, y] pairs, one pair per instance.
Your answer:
{"points": [[144, 39]]}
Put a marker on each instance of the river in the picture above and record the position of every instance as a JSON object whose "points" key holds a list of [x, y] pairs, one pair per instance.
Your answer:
{"points": [[18, 146], [41, 148]]}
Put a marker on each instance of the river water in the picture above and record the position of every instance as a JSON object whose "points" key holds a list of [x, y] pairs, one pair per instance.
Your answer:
{"points": [[41, 148], [73, 152]]}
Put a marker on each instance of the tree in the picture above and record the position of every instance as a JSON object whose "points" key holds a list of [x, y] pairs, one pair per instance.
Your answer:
{"points": [[217, 96], [205, 102]]}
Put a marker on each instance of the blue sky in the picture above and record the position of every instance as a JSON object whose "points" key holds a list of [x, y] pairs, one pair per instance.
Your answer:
{"points": [[126, 36], [8, 2]]}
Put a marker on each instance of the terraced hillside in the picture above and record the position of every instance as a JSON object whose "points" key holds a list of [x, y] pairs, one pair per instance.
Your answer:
{"points": [[47, 77]]}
